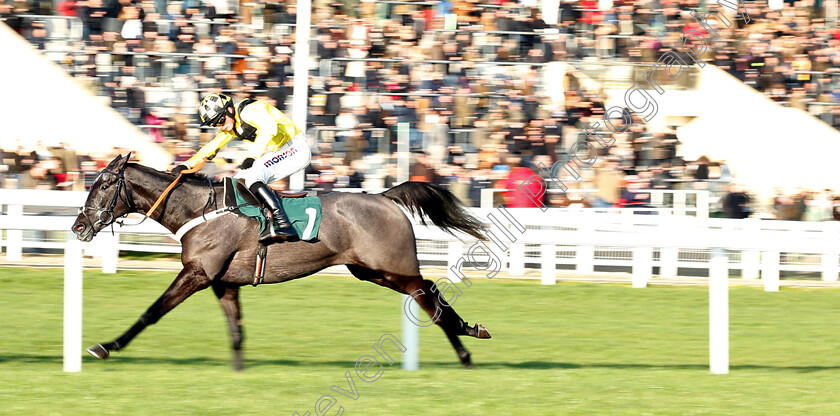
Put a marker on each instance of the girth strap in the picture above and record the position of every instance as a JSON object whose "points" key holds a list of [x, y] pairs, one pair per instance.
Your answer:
{"points": [[195, 222]]}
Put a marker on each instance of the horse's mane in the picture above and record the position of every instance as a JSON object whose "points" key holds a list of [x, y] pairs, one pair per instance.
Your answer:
{"points": [[194, 178]]}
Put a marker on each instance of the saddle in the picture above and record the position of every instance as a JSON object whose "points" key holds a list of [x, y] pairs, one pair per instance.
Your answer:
{"points": [[232, 187]]}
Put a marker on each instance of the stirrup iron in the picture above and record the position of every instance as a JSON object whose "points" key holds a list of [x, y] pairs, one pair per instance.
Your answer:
{"points": [[259, 272]]}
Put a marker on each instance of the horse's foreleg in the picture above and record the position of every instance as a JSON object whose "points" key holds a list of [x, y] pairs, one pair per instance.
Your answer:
{"points": [[229, 299], [190, 280]]}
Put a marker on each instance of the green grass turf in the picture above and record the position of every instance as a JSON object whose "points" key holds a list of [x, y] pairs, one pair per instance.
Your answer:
{"points": [[569, 349]]}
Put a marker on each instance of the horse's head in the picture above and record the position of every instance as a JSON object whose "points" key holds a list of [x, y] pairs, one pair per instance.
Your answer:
{"points": [[109, 199]]}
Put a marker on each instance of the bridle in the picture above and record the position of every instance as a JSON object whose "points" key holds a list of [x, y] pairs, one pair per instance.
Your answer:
{"points": [[106, 216]]}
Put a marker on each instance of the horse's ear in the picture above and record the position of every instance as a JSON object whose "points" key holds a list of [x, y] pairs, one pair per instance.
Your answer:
{"points": [[116, 162], [125, 160]]}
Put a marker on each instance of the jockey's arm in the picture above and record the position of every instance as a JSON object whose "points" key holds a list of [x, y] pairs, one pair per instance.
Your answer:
{"points": [[210, 149]]}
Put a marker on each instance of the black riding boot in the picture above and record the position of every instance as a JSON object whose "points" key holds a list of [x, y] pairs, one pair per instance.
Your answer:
{"points": [[279, 227]]}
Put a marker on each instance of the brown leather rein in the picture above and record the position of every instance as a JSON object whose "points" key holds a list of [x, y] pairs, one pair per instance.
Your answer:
{"points": [[166, 191]]}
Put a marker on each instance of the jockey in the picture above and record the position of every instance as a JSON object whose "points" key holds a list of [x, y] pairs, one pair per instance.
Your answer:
{"points": [[278, 149]]}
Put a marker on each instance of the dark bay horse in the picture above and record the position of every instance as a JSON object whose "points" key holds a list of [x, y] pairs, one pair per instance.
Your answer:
{"points": [[367, 232]]}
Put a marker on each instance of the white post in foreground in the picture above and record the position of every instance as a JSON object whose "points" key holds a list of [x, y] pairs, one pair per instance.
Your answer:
{"points": [[410, 336], [403, 137], [548, 258], [668, 262], [110, 246], [750, 263], [586, 253], [14, 238], [829, 267], [718, 313], [751, 258], [517, 260], [455, 250], [770, 270], [642, 266], [487, 196], [300, 87], [73, 306]]}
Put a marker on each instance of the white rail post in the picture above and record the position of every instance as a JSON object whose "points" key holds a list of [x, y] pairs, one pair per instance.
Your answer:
{"points": [[770, 270], [657, 198], [73, 305], [517, 259], [750, 263], [455, 251], [829, 267], [410, 336], [110, 251], [502, 255], [586, 259], [830, 259], [702, 204], [585, 254], [301, 80], [403, 147], [548, 260], [642, 266], [669, 253], [14, 238], [718, 313], [668, 262], [751, 258], [679, 203], [487, 198]]}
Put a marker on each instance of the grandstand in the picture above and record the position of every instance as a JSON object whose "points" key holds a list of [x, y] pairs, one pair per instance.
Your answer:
{"points": [[476, 81]]}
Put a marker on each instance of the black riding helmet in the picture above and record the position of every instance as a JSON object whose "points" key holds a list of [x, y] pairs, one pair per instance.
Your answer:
{"points": [[213, 108]]}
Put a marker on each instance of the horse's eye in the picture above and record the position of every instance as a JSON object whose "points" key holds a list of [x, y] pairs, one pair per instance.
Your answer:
{"points": [[103, 187]]}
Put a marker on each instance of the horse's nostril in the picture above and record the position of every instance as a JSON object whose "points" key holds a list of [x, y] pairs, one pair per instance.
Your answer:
{"points": [[79, 227]]}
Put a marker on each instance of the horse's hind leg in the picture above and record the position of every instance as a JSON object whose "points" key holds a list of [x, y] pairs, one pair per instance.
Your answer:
{"points": [[191, 279], [444, 315], [229, 299]]}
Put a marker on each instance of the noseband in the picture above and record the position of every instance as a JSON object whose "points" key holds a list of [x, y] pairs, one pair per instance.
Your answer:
{"points": [[106, 216]]}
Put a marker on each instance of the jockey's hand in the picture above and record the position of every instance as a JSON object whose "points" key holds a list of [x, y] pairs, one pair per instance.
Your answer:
{"points": [[177, 169], [247, 163]]}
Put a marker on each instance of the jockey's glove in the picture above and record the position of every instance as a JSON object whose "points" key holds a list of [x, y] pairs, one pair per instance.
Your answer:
{"points": [[247, 163], [177, 169]]}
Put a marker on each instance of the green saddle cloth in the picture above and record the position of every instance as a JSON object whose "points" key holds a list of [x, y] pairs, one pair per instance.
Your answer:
{"points": [[304, 214]]}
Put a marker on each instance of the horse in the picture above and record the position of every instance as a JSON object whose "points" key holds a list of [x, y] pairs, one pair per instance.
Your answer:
{"points": [[369, 233]]}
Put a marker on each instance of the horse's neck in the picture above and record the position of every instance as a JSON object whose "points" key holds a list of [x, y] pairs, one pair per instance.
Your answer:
{"points": [[185, 202]]}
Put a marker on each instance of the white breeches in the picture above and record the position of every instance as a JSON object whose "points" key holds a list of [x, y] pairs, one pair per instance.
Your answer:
{"points": [[292, 157]]}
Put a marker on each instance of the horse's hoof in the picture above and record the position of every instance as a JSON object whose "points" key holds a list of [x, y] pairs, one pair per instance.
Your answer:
{"points": [[481, 332], [99, 351], [464, 356]]}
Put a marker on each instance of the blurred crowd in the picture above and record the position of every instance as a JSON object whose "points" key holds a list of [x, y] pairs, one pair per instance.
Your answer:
{"points": [[616, 181], [376, 65]]}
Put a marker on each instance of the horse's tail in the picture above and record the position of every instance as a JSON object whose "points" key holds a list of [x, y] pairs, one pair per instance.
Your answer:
{"points": [[443, 208]]}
